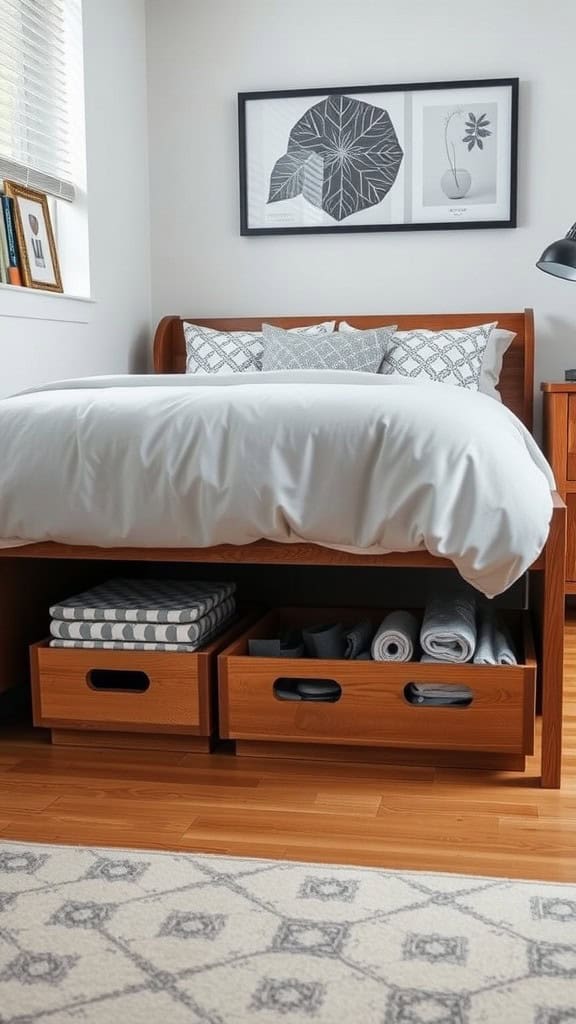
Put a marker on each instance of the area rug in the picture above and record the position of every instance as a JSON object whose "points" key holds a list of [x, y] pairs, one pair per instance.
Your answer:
{"points": [[99, 936]]}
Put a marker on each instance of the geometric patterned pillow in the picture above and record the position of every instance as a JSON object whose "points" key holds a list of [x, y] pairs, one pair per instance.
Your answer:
{"points": [[359, 350], [498, 344], [449, 357], [211, 351]]}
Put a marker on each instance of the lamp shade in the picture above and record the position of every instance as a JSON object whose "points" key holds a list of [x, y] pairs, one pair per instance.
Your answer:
{"points": [[559, 258]]}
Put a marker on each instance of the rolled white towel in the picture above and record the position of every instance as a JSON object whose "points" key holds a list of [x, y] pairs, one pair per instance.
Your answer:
{"points": [[396, 637], [449, 627], [494, 646]]}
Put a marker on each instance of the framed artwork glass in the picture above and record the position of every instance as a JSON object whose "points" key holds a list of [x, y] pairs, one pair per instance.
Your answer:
{"points": [[38, 257], [379, 158]]}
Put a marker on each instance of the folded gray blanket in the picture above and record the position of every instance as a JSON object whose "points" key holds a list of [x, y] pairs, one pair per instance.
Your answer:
{"points": [[157, 601], [494, 646], [142, 645], [396, 637], [448, 630], [146, 632]]}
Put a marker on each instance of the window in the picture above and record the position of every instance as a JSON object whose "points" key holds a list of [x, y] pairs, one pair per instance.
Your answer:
{"points": [[42, 141]]}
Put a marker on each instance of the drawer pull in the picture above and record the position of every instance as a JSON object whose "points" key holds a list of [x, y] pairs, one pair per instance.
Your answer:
{"points": [[438, 695], [320, 691], [117, 681]]}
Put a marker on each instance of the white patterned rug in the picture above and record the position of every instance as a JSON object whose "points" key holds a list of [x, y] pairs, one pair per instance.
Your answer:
{"points": [[112, 937]]}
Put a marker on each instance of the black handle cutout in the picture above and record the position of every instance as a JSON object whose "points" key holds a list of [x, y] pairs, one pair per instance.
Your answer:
{"points": [[438, 695], [318, 691], [115, 680]]}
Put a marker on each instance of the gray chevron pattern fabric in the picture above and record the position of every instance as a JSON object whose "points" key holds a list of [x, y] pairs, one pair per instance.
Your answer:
{"points": [[448, 357], [156, 601], [98, 936], [210, 351], [356, 350]]}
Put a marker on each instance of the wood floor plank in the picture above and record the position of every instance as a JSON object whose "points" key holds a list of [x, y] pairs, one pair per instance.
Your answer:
{"points": [[402, 817]]}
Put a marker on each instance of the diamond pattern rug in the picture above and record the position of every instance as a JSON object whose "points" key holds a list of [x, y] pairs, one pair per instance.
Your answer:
{"points": [[97, 936]]}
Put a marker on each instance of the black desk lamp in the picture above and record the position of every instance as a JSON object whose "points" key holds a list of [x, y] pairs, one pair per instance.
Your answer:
{"points": [[559, 258]]}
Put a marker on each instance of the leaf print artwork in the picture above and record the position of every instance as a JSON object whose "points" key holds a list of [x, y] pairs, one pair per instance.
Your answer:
{"points": [[476, 130], [343, 156]]}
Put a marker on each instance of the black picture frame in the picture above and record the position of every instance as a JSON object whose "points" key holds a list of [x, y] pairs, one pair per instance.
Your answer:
{"points": [[301, 164]]}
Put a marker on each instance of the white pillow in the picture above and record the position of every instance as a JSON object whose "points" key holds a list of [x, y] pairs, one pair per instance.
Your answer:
{"points": [[496, 347], [498, 344], [212, 351]]}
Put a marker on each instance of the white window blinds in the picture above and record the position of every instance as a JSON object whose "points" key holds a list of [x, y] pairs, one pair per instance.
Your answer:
{"points": [[41, 95]]}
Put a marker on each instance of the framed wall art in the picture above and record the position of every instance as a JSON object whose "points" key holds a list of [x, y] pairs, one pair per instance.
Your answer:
{"points": [[38, 256], [379, 158]]}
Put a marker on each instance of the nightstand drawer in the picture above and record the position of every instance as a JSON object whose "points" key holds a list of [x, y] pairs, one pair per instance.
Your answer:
{"points": [[571, 453]]}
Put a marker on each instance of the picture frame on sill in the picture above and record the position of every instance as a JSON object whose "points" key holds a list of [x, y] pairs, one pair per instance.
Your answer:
{"points": [[38, 256], [436, 155]]}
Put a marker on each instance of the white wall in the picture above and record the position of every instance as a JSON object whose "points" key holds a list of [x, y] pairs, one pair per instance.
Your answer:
{"points": [[202, 52], [116, 337]]}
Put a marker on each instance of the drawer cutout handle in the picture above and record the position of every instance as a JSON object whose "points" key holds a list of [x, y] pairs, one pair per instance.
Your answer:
{"points": [[116, 680], [317, 691], [438, 695]]}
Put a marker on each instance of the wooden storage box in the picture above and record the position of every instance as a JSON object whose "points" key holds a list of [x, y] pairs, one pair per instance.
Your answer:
{"points": [[373, 710], [149, 699]]}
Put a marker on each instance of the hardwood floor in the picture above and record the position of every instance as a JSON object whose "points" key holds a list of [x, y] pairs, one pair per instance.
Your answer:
{"points": [[420, 818]]}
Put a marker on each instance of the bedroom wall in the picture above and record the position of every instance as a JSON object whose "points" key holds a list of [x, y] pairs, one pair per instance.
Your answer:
{"points": [[40, 338], [202, 52]]}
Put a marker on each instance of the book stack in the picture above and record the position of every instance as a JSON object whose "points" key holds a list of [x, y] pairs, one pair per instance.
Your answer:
{"points": [[144, 615], [9, 255]]}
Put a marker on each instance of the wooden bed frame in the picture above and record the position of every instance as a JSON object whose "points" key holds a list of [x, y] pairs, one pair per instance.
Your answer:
{"points": [[29, 569]]}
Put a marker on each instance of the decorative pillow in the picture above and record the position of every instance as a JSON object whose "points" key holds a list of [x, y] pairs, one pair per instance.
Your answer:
{"points": [[497, 345], [211, 351], [364, 351]]}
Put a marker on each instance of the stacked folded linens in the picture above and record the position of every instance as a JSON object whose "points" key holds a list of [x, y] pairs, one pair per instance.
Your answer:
{"points": [[144, 615]]}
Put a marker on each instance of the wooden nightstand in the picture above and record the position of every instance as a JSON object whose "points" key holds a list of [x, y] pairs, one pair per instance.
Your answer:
{"points": [[560, 449]]}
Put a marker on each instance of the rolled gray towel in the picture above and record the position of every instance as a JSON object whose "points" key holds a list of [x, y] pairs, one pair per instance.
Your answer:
{"points": [[357, 638], [396, 637], [494, 646], [448, 630], [324, 641]]}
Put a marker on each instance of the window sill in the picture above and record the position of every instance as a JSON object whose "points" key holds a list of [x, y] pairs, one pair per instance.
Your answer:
{"points": [[37, 304]]}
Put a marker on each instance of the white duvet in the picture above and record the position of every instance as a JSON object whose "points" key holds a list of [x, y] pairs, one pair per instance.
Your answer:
{"points": [[355, 461]]}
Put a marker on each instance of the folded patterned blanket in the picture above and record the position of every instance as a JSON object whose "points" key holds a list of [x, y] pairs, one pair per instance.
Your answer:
{"points": [[157, 601], [140, 645], [145, 632], [126, 645], [448, 630]]}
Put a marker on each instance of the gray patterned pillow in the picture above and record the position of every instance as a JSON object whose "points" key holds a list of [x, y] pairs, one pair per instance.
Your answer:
{"points": [[448, 357], [358, 350], [211, 351]]}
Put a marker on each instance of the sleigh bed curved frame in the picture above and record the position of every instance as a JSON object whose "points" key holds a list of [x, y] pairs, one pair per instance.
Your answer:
{"points": [[546, 574]]}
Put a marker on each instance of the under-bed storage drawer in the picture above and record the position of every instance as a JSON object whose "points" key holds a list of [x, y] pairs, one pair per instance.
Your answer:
{"points": [[372, 707], [127, 691]]}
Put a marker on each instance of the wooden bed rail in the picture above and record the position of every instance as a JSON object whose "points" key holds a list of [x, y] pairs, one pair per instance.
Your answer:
{"points": [[546, 598]]}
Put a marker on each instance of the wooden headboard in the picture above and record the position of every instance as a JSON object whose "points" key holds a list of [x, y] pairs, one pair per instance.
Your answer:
{"points": [[516, 380]]}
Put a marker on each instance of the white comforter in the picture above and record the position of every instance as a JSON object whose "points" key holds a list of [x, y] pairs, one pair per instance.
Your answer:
{"points": [[347, 460]]}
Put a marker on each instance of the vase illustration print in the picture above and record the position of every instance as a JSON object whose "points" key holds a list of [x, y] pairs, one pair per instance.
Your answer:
{"points": [[456, 182]]}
